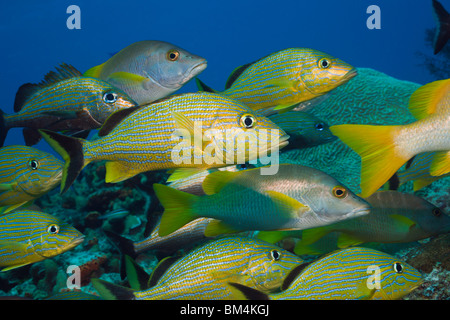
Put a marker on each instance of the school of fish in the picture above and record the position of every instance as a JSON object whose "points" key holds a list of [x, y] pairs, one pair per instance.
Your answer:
{"points": [[228, 202]]}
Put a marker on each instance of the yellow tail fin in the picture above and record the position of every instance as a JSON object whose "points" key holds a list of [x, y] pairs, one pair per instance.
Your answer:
{"points": [[178, 209], [380, 158]]}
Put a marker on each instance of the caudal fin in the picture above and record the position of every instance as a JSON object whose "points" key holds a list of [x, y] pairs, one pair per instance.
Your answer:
{"points": [[178, 208], [71, 150], [442, 26], [380, 158], [203, 87]]}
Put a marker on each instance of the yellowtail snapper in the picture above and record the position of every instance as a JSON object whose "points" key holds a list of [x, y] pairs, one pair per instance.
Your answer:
{"points": [[295, 198]]}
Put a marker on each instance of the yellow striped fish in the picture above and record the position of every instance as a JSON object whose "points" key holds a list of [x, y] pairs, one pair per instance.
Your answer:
{"points": [[204, 272], [26, 174], [385, 149], [191, 132], [418, 171], [30, 236], [284, 79], [348, 274], [63, 101]]}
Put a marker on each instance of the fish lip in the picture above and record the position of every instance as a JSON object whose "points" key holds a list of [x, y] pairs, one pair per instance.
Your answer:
{"points": [[350, 75], [189, 73], [76, 241], [355, 213]]}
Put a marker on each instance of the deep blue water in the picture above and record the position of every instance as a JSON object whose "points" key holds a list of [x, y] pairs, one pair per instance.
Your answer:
{"points": [[35, 37]]}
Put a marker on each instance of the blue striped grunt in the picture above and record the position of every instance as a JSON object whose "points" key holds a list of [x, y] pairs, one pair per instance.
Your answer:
{"points": [[284, 79], [419, 171], [30, 236], [63, 101], [295, 198], [348, 274], [204, 272], [304, 129], [395, 217], [149, 70], [159, 136], [26, 174], [385, 149]]}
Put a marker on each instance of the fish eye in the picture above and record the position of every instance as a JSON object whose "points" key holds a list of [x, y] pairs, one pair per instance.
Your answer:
{"points": [[324, 63], [340, 192], [53, 229], [319, 126], [33, 164], [436, 212], [398, 267], [247, 121], [110, 97], [173, 55], [275, 255]]}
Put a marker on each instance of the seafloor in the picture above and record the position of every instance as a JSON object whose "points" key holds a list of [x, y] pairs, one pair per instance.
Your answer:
{"points": [[370, 98]]}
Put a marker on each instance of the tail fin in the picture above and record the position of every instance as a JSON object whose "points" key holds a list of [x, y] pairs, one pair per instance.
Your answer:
{"points": [[178, 208], [3, 128], [380, 158], [71, 150], [109, 291], [442, 26], [203, 87]]}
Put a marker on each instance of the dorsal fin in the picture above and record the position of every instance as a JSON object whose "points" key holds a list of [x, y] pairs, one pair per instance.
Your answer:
{"points": [[114, 119], [235, 74], [293, 275], [63, 72], [23, 94], [160, 269]]}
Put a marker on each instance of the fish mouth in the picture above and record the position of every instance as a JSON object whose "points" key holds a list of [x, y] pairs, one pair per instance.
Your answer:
{"points": [[195, 70], [357, 212], [76, 241], [349, 75]]}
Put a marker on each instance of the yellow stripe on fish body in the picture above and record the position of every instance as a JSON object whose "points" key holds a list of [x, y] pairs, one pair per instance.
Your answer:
{"points": [[26, 174], [148, 138], [31, 236], [348, 274], [203, 273], [65, 101], [286, 78]]}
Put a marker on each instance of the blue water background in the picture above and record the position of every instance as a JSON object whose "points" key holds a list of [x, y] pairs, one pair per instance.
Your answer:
{"points": [[228, 34]]}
